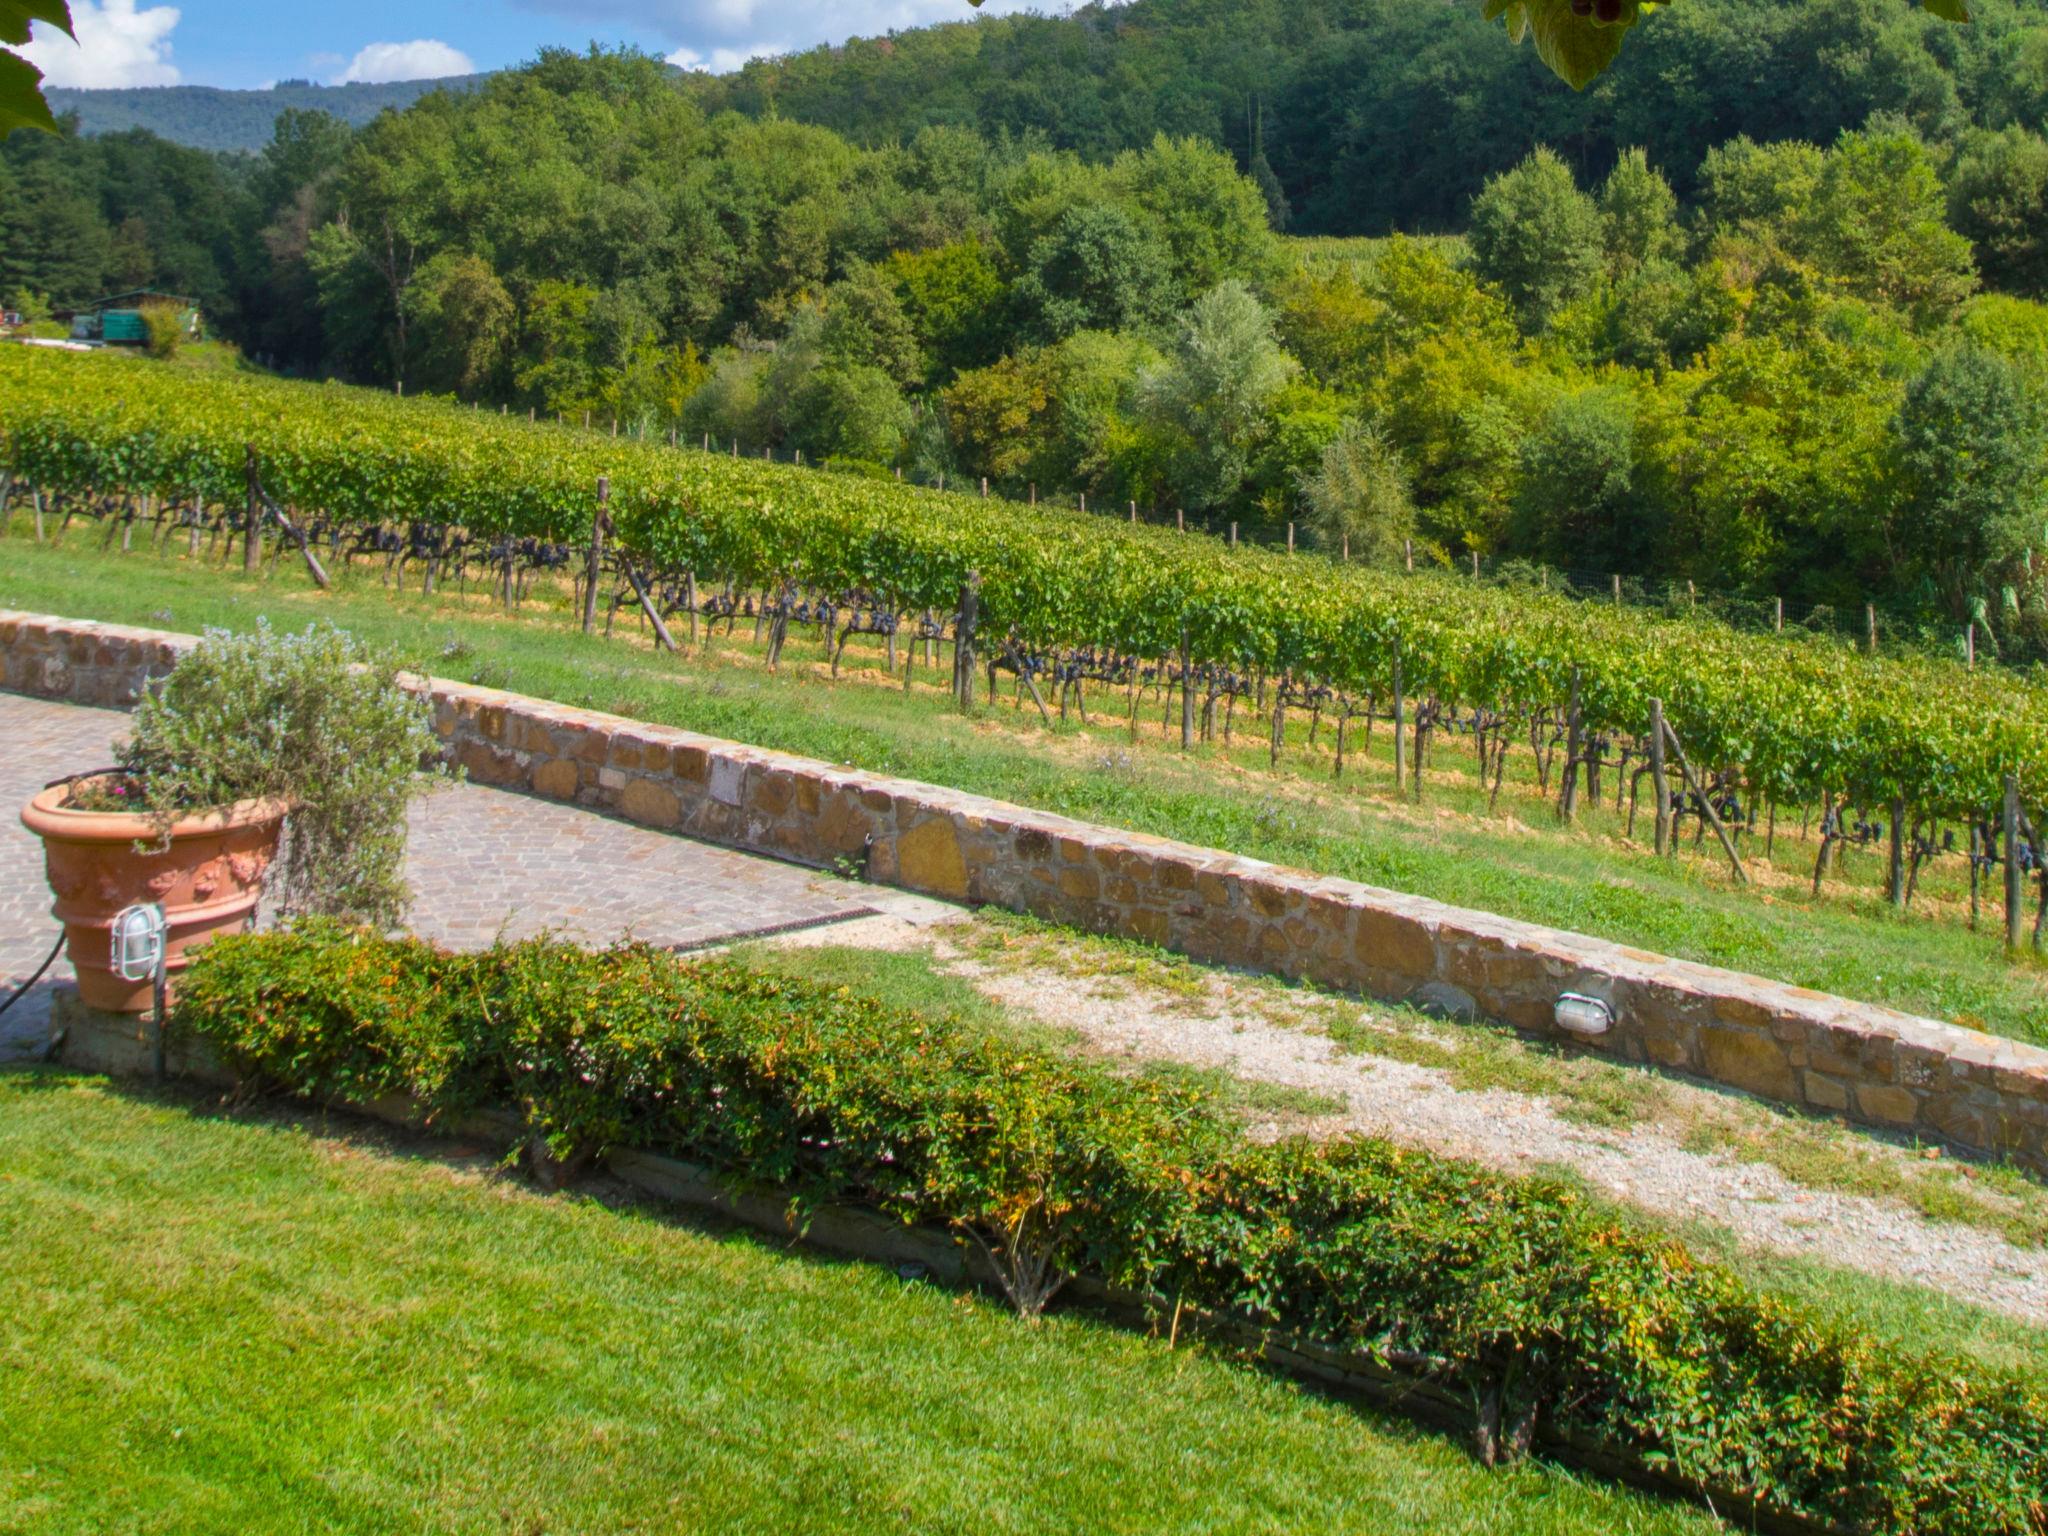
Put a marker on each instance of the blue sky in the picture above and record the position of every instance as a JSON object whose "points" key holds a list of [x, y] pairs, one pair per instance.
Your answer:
{"points": [[247, 43]]}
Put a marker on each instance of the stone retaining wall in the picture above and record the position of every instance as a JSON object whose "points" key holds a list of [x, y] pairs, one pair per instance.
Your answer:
{"points": [[1871, 1064]]}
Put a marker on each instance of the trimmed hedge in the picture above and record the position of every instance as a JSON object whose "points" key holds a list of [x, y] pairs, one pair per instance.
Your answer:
{"points": [[1518, 1295]]}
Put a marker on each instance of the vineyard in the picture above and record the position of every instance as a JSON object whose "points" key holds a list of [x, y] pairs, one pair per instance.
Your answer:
{"points": [[1081, 611]]}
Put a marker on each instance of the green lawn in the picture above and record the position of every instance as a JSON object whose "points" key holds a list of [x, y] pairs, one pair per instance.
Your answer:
{"points": [[267, 1324], [1518, 862]]}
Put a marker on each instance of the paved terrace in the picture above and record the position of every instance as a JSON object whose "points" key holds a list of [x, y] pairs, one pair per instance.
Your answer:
{"points": [[483, 862]]}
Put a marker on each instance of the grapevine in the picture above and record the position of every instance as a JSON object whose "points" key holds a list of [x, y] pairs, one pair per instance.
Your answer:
{"points": [[1064, 597]]}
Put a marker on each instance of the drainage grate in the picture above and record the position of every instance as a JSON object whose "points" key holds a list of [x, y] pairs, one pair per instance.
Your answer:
{"points": [[775, 930]]}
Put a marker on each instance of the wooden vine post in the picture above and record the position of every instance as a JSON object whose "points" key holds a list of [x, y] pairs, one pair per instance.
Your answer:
{"points": [[963, 642], [666, 640], [1699, 790], [1660, 784], [2013, 889], [252, 521], [291, 530], [1400, 723], [1187, 695], [594, 563], [1895, 866], [1574, 749]]}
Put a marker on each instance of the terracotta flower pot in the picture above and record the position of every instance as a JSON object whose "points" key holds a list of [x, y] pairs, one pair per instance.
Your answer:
{"points": [[207, 880]]}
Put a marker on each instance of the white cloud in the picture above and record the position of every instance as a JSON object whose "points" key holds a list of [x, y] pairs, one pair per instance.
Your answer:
{"points": [[722, 34], [424, 58], [721, 61], [117, 46]]}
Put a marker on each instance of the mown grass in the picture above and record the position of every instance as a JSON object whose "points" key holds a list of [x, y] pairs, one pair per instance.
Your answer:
{"points": [[1517, 861], [265, 1323]]}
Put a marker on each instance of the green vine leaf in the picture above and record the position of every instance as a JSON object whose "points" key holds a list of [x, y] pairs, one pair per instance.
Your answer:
{"points": [[21, 96], [15, 16], [21, 83]]}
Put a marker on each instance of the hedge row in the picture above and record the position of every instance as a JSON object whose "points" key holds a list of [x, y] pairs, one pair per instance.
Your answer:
{"points": [[1547, 1315]]}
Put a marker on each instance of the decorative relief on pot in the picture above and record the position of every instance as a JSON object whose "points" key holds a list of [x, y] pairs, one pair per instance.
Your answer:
{"points": [[245, 867], [161, 884], [206, 882]]}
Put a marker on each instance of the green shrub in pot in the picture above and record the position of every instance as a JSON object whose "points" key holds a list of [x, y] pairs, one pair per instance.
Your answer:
{"points": [[311, 719]]}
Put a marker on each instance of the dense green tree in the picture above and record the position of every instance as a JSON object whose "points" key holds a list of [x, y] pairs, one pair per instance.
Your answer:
{"points": [[1458, 404], [1210, 221], [733, 404], [849, 411], [464, 323], [1766, 466], [1221, 372], [306, 149], [1098, 268], [2014, 328], [1536, 237], [1329, 318], [1761, 191], [52, 238], [1577, 506], [1357, 497], [865, 325], [998, 417], [556, 375], [956, 301], [1998, 198], [1877, 222], [1663, 315], [1638, 215], [1970, 444]]}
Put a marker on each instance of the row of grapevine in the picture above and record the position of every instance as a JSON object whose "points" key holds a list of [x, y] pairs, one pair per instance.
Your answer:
{"points": [[1795, 716]]}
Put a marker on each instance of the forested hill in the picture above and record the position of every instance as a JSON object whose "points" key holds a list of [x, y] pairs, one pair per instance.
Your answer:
{"points": [[1377, 115], [1797, 350], [206, 118]]}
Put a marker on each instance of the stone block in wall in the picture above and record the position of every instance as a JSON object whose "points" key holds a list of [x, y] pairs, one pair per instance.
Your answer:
{"points": [[1887, 1104], [651, 803], [1393, 944], [1749, 1059], [1824, 1092], [558, 778], [929, 860]]}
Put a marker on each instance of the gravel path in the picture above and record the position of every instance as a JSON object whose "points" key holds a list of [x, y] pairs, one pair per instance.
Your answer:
{"points": [[1645, 1165]]}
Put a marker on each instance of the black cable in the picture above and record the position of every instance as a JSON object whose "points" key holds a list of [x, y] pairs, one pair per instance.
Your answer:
{"points": [[48, 960]]}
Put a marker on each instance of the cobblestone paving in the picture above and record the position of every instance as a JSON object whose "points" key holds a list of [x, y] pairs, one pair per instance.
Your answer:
{"points": [[483, 863], [39, 741]]}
